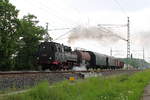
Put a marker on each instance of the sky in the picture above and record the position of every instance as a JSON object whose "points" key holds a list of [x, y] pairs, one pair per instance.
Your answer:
{"points": [[90, 13]]}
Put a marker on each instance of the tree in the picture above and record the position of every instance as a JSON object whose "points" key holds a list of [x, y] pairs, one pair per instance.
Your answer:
{"points": [[8, 34], [30, 34], [19, 39]]}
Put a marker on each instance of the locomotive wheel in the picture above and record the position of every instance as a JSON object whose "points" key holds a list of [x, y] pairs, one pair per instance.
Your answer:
{"points": [[39, 68], [44, 67], [54, 67]]}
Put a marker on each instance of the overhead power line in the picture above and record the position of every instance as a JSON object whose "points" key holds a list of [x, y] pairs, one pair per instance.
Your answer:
{"points": [[112, 25], [58, 29], [56, 12], [62, 35], [120, 7], [53, 13]]}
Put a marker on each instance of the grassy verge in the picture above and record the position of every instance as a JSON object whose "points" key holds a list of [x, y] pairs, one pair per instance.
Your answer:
{"points": [[123, 87], [14, 89]]}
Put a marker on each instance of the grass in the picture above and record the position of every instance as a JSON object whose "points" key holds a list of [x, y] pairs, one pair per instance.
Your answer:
{"points": [[13, 89], [121, 87]]}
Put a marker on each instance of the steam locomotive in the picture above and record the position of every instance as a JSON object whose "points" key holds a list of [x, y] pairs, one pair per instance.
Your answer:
{"points": [[55, 56]]}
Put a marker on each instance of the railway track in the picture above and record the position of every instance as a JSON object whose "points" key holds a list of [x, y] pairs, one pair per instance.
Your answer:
{"points": [[65, 71], [22, 79]]}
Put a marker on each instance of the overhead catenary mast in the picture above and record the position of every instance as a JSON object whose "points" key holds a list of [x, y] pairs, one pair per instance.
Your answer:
{"points": [[128, 34], [128, 38], [143, 54], [47, 37]]}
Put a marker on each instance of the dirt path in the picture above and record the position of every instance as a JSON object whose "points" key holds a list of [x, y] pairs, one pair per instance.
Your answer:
{"points": [[146, 95]]}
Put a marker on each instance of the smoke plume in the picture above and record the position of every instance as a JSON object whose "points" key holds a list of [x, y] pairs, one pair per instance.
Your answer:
{"points": [[93, 33]]}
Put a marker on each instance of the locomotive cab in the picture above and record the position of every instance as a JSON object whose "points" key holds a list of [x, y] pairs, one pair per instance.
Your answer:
{"points": [[46, 53]]}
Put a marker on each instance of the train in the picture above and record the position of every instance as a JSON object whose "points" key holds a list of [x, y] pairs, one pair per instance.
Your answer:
{"points": [[56, 56]]}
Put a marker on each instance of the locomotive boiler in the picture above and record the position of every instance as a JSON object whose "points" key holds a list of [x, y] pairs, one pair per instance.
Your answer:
{"points": [[55, 56]]}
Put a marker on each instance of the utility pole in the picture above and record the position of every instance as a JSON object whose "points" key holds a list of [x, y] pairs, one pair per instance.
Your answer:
{"points": [[111, 52], [128, 38], [47, 37], [128, 34], [143, 58], [143, 54], [47, 27]]}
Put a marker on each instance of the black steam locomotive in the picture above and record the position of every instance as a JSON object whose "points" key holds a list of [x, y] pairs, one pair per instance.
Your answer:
{"points": [[55, 56]]}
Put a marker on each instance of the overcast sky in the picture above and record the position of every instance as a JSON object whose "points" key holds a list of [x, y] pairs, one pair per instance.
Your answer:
{"points": [[72, 13]]}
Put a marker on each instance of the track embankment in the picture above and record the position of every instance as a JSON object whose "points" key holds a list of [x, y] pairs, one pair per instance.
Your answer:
{"points": [[22, 80]]}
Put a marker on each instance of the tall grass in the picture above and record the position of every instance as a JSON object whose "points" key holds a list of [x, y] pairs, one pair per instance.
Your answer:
{"points": [[123, 87]]}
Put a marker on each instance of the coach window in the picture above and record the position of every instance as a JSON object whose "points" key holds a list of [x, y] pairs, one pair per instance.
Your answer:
{"points": [[53, 49], [59, 49]]}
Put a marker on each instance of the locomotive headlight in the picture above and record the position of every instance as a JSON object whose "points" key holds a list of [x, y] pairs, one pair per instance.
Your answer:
{"points": [[50, 58], [37, 58]]}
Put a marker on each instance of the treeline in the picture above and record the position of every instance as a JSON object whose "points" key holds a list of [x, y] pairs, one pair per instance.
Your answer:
{"points": [[19, 38], [136, 63]]}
